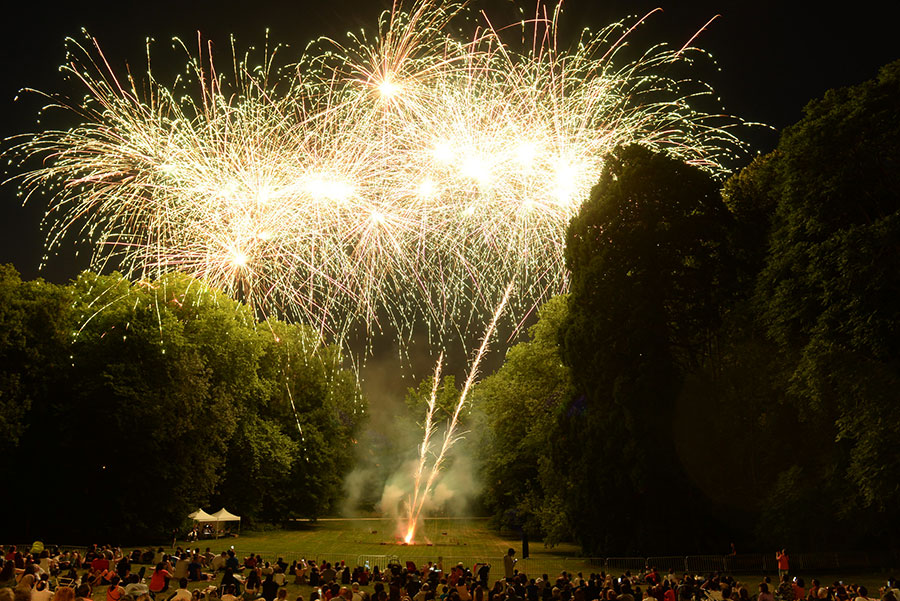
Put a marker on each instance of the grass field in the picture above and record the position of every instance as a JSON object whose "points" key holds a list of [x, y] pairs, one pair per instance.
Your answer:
{"points": [[444, 537]]}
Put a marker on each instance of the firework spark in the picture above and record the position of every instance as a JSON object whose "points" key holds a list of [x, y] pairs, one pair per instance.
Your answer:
{"points": [[424, 448], [421, 491], [399, 178]]}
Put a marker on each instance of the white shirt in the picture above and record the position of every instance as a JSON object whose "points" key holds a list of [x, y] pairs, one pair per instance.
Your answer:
{"points": [[182, 594]]}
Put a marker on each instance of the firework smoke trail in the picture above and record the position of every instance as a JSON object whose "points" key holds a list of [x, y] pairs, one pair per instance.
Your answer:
{"points": [[450, 436], [425, 447]]}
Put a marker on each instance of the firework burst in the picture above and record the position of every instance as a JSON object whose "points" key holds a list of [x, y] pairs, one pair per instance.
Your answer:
{"points": [[405, 177]]}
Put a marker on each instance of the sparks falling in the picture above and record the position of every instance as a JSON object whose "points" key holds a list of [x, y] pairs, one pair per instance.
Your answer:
{"points": [[398, 177]]}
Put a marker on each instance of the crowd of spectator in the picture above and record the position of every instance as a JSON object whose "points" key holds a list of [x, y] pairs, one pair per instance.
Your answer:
{"points": [[156, 575]]}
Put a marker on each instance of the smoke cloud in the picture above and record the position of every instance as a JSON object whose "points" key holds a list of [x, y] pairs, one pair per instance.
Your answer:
{"points": [[382, 481]]}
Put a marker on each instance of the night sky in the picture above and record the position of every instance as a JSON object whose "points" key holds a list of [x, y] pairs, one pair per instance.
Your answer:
{"points": [[774, 57]]}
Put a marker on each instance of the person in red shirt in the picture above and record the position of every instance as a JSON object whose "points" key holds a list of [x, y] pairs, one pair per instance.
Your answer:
{"points": [[799, 591], [783, 563], [668, 591], [114, 592], [159, 582], [100, 564]]}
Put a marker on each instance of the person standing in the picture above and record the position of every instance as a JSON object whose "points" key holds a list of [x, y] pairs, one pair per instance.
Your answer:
{"points": [[783, 563], [483, 573], [509, 563]]}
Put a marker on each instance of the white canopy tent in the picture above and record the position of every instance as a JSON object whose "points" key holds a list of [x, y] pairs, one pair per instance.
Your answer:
{"points": [[202, 517], [216, 519], [222, 516]]}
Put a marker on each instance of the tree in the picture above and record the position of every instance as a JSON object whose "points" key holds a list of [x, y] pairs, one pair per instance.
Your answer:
{"points": [[827, 293], [520, 402], [33, 328], [751, 196], [153, 398], [316, 403], [148, 406], [650, 267], [259, 460]]}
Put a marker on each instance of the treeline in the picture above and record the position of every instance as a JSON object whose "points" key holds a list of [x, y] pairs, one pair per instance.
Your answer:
{"points": [[726, 367], [125, 406]]}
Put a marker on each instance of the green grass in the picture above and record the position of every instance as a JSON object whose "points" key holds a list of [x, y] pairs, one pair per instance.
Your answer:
{"points": [[437, 537]]}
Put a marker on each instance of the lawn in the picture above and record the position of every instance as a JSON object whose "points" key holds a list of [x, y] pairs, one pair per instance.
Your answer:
{"points": [[467, 540]]}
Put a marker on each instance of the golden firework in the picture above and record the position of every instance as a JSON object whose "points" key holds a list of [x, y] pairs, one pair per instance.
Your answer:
{"points": [[406, 177]]}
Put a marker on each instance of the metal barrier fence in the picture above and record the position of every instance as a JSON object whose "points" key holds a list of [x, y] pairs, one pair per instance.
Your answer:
{"points": [[821, 560], [373, 561], [625, 564], [704, 564], [664, 564], [538, 567], [757, 563]]}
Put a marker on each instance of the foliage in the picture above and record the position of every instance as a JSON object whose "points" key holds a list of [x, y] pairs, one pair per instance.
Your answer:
{"points": [[171, 396], [801, 383], [733, 363], [650, 265], [520, 402], [32, 338], [445, 402], [751, 196], [827, 294]]}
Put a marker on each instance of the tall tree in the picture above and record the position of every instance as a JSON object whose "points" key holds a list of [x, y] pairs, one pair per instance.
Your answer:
{"points": [[827, 294], [650, 266], [805, 363], [316, 403], [151, 400], [33, 329]]}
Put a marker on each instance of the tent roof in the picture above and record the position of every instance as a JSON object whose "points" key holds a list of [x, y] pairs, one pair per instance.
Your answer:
{"points": [[201, 516], [224, 516]]}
